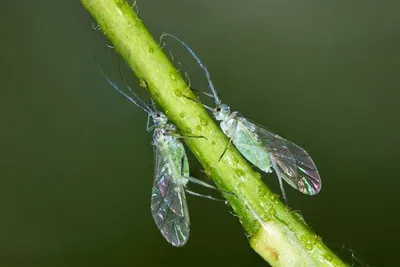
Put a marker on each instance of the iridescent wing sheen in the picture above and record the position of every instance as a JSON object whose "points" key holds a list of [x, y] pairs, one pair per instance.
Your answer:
{"points": [[291, 162], [168, 201]]}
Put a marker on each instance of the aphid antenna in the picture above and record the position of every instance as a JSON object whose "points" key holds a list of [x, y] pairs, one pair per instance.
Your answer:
{"points": [[144, 107], [207, 73], [140, 102], [149, 111]]}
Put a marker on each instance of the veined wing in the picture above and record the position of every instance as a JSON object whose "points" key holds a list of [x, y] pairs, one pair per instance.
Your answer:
{"points": [[168, 201], [291, 162]]}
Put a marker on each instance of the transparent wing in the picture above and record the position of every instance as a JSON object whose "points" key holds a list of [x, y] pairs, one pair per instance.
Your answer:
{"points": [[168, 201], [291, 162]]}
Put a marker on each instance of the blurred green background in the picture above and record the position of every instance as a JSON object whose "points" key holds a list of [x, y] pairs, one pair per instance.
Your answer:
{"points": [[77, 164]]}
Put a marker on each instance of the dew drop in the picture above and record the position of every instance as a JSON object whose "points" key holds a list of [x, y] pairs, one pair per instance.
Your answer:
{"points": [[142, 83], [240, 172], [178, 92], [298, 216], [239, 185], [255, 224], [271, 211], [213, 143], [151, 50], [208, 173], [203, 122], [274, 197], [315, 239], [308, 246], [328, 257], [182, 115], [172, 76], [198, 127], [261, 192], [303, 238], [306, 242], [188, 130], [119, 3], [264, 217]]}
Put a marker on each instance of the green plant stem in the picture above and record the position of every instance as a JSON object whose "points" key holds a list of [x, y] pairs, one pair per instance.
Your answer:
{"points": [[279, 235]]}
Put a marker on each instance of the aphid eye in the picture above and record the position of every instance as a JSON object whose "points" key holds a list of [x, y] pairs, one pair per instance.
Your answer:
{"points": [[218, 109], [158, 115]]}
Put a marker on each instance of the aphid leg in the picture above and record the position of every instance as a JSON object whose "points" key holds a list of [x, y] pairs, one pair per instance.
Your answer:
{"points": [[355, 257], [188, 79], [96, 27], [172, 57], [232, 131], [230, 209], [279, 177], [195, 136], [204, 93], [282, 189], [204, 196], [233, 213], [176, 135], [180, 66], [153, 104], [210, 83], [195, 100], [162, 44], [198, 101], [199, 182], [135, 6], [149, 127], [226, 148]]}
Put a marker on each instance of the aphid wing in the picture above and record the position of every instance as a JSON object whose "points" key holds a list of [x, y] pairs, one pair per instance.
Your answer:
{"points": [[168, 201], [186, 171], [309, 181], [291, 162], [247, 142]]}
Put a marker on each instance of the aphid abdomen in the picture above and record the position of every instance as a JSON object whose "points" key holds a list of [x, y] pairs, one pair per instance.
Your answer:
{"points": [[251, 148], [175, 152]]}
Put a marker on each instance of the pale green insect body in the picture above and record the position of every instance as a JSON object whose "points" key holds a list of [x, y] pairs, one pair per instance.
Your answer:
{"points": [[264, 149], [246, 141], [168, 199], [269, 151], [173, 151]]}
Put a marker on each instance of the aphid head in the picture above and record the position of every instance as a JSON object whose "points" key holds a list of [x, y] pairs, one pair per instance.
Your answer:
{"points": [[221, 112], [159, 119]]}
